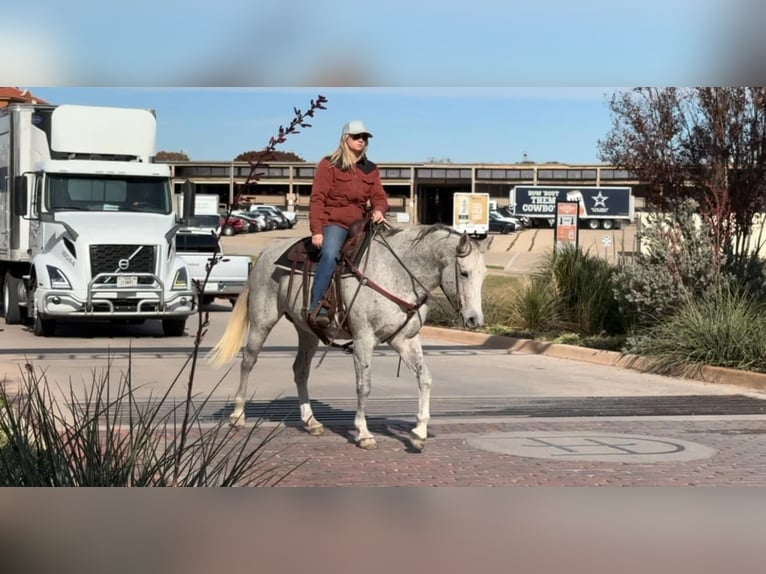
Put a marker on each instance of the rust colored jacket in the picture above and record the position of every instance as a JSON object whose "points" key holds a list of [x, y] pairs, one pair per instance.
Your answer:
{"points": [[340, 197]]}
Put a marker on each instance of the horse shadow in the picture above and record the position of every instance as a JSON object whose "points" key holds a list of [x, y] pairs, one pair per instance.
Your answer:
{"points": [[339, 421]]}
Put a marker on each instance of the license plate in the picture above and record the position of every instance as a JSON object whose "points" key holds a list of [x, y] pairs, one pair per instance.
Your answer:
{"points": [[127, 281]]}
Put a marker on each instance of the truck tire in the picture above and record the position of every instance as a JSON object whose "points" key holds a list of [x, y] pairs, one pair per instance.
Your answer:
{"points": [[11, 307], [173, 327], [607, 224], [592, 223], [44, 327]]}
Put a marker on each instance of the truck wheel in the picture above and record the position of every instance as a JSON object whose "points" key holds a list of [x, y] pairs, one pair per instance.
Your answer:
{"points": [[593, 224], [11, 298], [44, 327], [173, 327], [607, 224]]}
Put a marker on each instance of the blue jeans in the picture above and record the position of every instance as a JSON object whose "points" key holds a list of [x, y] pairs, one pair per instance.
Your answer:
{"points": [[334, 237]]}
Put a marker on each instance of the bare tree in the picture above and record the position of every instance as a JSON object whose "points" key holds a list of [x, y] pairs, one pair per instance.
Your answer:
{"points": [[708, 144]]}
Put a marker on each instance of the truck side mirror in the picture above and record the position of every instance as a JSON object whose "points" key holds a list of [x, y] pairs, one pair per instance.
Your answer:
{"points": [[189, 191], [19, 196]]}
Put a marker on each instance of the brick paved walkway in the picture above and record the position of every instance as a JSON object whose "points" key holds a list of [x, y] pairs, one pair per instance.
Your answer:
{"points": [[449, 460]]}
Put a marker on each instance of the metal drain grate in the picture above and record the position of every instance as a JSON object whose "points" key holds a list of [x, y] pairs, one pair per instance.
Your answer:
{"points": [[341, 411]]}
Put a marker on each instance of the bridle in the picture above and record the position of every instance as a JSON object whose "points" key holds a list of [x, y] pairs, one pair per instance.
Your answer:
{"points": [[409, 308]]}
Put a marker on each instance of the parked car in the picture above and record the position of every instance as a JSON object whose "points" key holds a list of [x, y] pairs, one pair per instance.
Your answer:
{"points": [[285, 219], [233, 225], [506, 211], [501, 224], [257, 219], [226, 278]]}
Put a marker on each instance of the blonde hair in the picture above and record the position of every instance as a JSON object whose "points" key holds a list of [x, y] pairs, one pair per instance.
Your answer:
{"points": [[343, 158]]}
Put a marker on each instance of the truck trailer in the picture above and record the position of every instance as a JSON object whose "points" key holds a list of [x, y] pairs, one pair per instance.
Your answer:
{"points": [[87, 225], [599, 207]]}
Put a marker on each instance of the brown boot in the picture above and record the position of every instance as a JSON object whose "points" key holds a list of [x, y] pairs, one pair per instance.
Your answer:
{"points": [[319, 320]]}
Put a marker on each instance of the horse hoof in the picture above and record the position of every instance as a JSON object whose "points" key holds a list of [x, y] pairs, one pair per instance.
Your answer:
{"points": [[237, 421], [417, 442], [367, 443], [315, 430]]}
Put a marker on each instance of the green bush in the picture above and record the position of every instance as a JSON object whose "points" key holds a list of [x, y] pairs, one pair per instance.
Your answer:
{"points": [[725, 327], [584, 283], [86, 443], [677, 262], [534, 306]]}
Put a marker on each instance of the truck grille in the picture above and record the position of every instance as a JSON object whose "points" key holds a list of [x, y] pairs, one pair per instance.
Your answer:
{"points": [[139, 258]]}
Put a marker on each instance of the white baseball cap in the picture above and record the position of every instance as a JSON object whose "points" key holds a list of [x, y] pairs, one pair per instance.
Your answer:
{"points": [[355, 127]]}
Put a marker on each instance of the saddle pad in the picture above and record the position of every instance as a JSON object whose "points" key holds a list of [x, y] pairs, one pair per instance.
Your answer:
{"points": [[300, 252]]}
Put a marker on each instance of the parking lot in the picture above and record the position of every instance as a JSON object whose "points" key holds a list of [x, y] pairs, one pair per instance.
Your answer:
{"points": [[515, 253]]}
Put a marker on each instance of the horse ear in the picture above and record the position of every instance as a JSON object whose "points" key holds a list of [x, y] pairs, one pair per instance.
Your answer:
{"points": [[464, 247], [484, 243]]}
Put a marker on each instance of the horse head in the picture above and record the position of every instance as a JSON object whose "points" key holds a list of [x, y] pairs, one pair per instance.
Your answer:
{"points": [[462, 278]]}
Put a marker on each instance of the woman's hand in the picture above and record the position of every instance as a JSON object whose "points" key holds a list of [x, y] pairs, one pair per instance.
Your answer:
{"points": [[377, 216], [317, 240]]}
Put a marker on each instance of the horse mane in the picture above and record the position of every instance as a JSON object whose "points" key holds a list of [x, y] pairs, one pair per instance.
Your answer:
{"points": [[425, 230], [428, 230]]}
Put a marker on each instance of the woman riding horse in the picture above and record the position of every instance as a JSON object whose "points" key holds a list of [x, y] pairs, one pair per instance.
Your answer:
{"points": [[344, 183]]}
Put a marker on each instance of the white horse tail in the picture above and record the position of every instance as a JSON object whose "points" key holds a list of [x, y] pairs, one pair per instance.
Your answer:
{"points": [[231, 341]]}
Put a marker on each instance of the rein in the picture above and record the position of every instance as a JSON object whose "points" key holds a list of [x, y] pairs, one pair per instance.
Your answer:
{"points": [[409, 308]]}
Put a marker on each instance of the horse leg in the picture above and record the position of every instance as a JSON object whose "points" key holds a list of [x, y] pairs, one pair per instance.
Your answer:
{"points": [[411, 352], [259, 330], [362, 359], [307, 346]]}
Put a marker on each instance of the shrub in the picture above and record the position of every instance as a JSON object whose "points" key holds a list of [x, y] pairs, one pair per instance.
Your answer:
{"points": [[86, 443], [726, 327], [585, 290], [534, 306], [677, 262]]}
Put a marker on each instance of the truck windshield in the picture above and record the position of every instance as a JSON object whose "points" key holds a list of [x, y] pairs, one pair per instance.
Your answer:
{"points": [[65, 192]]}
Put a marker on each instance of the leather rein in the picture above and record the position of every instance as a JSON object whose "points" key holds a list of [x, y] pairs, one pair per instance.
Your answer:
{"points": [[409, 308]]}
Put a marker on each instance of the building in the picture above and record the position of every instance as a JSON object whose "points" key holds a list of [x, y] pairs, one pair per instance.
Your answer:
{"points": [[418, 192], [17, 96]]}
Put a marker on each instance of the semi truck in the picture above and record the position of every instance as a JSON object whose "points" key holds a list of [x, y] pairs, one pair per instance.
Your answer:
{"points": [[470, 213], [87, 225], [599, 207]]}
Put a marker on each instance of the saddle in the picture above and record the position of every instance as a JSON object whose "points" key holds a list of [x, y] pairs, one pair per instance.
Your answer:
{"points": [[302, 257]]}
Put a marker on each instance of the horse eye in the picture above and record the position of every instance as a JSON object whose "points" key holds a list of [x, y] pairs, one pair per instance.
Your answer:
{"points": [[464, 273]]}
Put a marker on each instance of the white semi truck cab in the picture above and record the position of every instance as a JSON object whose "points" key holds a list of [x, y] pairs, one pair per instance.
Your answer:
{"points": [[87, 222]]}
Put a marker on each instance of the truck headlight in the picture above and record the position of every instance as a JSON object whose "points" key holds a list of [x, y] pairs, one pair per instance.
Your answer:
{"points": [[57, 278], [181, 280]]}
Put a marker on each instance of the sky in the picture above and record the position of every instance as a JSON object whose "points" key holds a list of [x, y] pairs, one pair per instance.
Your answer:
{"points": [[485, 81], [461, 125]]}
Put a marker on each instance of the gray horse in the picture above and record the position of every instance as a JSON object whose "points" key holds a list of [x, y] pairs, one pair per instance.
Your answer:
{"points": [[387, 301]]}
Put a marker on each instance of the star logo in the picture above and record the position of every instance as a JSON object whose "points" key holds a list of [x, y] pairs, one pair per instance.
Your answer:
{"points": [[599, 200]]}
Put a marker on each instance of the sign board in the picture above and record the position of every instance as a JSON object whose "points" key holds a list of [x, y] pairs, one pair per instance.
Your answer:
{"points": [[601, 202], [470, 213], [566, 229], [470, 208]]}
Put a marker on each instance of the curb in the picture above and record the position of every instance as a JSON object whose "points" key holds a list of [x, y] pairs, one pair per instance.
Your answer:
{"points": [[708, 374]]}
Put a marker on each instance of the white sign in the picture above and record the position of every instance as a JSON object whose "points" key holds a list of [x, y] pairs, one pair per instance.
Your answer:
{"points": [[606, 241], [127, 281]]}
